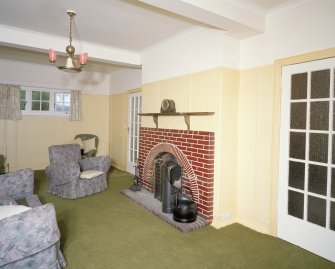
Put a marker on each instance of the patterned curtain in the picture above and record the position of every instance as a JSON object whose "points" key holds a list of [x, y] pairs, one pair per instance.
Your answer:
{"points": [[10, 102], [75, 107]]}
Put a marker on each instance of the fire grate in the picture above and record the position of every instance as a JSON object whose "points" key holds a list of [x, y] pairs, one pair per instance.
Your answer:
{"points": [[146, 200]]}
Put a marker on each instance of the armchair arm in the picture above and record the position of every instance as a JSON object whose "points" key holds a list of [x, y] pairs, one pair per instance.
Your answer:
{"points": [[100, 163], [61, 174], [28, 233], [17, 184]]}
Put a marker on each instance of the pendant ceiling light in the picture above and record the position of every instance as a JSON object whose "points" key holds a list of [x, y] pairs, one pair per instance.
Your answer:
{"points": [[71, 65]]}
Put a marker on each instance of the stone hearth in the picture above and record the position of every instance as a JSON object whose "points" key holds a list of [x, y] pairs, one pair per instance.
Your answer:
{"points": [[195, 152]]}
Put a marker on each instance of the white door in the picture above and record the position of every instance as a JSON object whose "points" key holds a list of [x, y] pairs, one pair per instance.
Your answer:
{"points": [[135, 104], [306, 197]]}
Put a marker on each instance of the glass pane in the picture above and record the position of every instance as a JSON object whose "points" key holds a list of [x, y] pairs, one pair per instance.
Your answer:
{"points": [[45, 106], [59, 97], [67, 97], [58, 107], [35, 105], [297, 145], [296, 204], [296, 175], [334, 115], [319, 116], [298, 116], [136, 102], [23, 105], [333, 183], [316, 210], [23, 94], [318, 147], [332, 216], [45, 96], [299, 86], [67, 108], [320, 84], [317, 179], [36, 95], [132, 103]]}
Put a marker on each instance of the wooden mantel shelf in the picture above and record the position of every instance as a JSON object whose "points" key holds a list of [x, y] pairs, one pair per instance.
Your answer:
{"points": [[185, 114]]}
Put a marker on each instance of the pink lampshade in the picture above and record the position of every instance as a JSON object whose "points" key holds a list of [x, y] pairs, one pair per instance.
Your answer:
{"points": [[83, 58], [52, 55]]}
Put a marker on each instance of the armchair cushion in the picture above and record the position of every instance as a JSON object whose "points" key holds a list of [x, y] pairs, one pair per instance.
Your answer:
{"points": [[6, 200], [10, 210], [100, 163], [31, 232], [89, 145], [64, 173], [90, 174], [80, 142], [17, 184]]}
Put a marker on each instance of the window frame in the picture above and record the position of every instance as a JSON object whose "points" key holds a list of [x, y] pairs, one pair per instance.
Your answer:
{"points": [[52, 102]]}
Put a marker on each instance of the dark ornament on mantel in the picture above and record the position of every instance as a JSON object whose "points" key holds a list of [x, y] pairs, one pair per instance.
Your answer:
{"points": [[168, 106], [136, 180]]}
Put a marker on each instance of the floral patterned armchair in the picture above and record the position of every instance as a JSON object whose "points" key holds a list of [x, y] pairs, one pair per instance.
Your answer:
{"points": [[29, 239], [67, 168]]}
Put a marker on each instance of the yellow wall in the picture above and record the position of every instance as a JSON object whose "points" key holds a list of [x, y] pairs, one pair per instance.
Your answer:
{"points": [[25, 143], [216, 91], [119, 130], [256, 98], [258, 142]]}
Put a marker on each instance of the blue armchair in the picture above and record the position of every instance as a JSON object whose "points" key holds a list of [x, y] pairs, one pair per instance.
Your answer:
{"points": [[67, 168], [29, 239]]}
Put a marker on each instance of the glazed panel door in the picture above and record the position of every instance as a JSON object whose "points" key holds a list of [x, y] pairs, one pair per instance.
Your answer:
{"points": [[306, 197], [135, 104]]}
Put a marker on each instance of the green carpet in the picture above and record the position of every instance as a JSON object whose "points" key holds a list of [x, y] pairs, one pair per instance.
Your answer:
{"points": [[108, 230]]}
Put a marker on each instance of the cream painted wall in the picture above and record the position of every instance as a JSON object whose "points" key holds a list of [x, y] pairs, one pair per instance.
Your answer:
{"points": [[125, 79], [304, 29], [25, 142], [118, 130], [255, 110], [214, 90], [46, 75], [189, 52], [259, 99]]}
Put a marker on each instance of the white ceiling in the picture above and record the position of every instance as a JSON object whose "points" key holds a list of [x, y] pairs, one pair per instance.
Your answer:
{"points": [[116, 31]]}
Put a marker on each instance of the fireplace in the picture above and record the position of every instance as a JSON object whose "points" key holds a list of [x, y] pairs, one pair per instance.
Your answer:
{"points": [[166, 165], [193, 151]]}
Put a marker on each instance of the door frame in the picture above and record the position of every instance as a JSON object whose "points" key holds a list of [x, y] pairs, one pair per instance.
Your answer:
{"points": [[131, 165], [285, 224]]}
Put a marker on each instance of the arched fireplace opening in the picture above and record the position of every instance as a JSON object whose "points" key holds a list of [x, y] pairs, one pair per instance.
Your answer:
{"points": [[167, 179]]}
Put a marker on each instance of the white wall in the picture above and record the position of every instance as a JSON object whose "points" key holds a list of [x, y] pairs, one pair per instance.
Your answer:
{"points": [[47, 75], [307, 28], [125, 79], [196, 50]]}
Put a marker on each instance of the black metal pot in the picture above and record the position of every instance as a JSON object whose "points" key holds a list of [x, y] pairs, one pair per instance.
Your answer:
{"points": [[185, 209]]}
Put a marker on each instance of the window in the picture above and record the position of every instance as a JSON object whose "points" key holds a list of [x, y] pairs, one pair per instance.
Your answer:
{"points": [[40, 101], [62, 102]]}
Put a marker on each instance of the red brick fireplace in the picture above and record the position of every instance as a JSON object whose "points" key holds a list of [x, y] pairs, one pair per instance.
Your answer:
{"points": [[193, 149]]}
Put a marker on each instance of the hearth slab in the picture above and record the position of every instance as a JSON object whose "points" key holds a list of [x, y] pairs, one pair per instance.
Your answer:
{"points": [[146, 200]]}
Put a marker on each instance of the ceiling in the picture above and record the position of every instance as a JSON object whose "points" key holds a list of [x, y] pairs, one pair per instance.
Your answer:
{"points": [[117, 31]]}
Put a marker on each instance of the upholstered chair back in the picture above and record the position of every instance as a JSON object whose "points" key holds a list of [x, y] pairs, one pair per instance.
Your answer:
{"points": [[68, 153]]}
